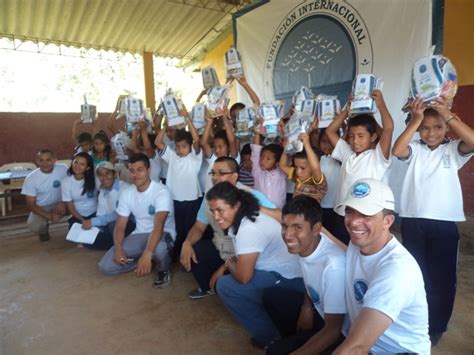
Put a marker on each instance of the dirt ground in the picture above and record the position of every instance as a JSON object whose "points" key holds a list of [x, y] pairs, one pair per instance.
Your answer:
{"points": [[54, 300]]}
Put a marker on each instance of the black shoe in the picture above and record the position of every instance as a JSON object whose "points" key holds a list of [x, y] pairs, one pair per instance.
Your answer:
{"points": [[435, 338], [162, 279], [198, 294], [44, 237], [258, 344]]}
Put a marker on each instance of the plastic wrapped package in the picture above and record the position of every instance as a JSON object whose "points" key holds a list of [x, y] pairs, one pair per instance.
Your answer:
{"points": [[301, 95], [245, 122], [88, 112], [271, 114], [198, 115], [363, 87], [120, 143], [209, 77], [233, 64], [307, 106], [171, 109], [432, 77], [298, 123], [326, 110], [218, 98]]}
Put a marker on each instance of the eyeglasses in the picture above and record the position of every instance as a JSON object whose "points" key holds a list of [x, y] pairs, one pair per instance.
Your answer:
{"points": [[220, 173]]}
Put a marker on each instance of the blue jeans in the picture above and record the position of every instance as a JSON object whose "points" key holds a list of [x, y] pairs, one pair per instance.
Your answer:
{"points": [[245, 301]]}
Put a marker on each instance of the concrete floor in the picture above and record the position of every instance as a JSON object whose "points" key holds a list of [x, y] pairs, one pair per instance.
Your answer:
{"points": [[54, 300]]}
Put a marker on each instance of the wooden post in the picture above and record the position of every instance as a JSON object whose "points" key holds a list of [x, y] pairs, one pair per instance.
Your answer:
{"points": [[149, 81]]}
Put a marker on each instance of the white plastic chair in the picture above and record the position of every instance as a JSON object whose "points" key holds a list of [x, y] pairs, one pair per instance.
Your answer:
{"points": [[66, 162], [15, 184]]}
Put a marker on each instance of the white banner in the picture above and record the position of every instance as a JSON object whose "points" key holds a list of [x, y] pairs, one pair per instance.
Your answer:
{"points": [[323, 44]]}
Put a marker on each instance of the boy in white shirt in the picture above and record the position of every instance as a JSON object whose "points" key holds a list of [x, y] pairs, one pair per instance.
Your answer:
{"points": [[431, 201], [151, 204], [361, 156], [385, 296], [182, 179], [311, 322], [42, 190]]}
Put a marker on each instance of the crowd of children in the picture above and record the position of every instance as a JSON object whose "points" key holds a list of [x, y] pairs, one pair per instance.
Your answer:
{"points": [[181, 171]]}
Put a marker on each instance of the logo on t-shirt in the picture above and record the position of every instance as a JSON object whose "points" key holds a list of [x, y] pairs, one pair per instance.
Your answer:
{"points": [[360, 190], [360, 288], [56, 183], [90, 194], [446, 161], [151, 210], [314, 295]]}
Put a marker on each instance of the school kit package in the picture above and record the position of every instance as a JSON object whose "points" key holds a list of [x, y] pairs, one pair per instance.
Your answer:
{"points": [[362, 89], [88, 112], [432, 77], [171, 107], [198, 116], [271, 114], [209, 77], [301, 95], [218, 98], [233, 64], [245, 122], [327, 108], [120, 143], [298, 123]]}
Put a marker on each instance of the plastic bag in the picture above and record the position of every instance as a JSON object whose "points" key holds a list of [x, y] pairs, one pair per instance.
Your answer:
{"points": [[233, 64], [198, 115], [302, 95], [245, 122], [88, 112], [271, 114], [171, 108], [327, 109], [307, 106], [209, 77], [120, 142], [217, 99], [362, 89], [298, 123]]}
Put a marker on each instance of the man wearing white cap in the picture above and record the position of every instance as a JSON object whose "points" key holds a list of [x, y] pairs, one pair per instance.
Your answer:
{"points": [[385, 295], [109, 193]]}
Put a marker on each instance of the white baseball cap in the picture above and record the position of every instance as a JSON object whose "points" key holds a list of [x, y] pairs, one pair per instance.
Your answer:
{"points": [[105, 165], [369, 197]]}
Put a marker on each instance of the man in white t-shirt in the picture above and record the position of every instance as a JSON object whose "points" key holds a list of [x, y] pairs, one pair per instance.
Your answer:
{"points": [[309, 322], [385, 294], [42, 190], [153, 238]]}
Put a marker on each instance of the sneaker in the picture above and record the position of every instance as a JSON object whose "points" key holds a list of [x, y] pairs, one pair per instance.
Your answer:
{"points": [[44, 237], [162, 279], [199, 293]]}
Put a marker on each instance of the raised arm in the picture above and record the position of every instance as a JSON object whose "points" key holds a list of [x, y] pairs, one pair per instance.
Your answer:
{"points": [[387, 123], [333, 128], [74, 130], [205, 137], [201, 94], [253, 96], [256, 137], [157, 120], [147, 147], [159, 141], [192, 129], [283, 164], [400, 148], [111, 123], [312, 158], [229, 131]]}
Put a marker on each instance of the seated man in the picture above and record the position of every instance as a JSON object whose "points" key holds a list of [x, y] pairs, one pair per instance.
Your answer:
{"points": [[202, 256], [151, 204], [109, 194], [310, 322], [385, 294], [42, 189]]}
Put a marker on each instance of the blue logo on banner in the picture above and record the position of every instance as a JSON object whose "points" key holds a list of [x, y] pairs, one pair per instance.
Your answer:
{"points": [[360, 288], [360, 190], [56, 183], [314, 295], [151, 210]]}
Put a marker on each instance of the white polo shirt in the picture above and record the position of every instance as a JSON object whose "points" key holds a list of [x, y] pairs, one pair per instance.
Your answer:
{"points": [[182, 178], [264, 237], [368, 164], [331, 169], [431, 188], [71, 189], [389, 281], [45, 187], [144, 205]]}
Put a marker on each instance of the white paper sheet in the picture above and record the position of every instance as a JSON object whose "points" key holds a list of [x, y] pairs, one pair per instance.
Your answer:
{"points": [[78, 235]]}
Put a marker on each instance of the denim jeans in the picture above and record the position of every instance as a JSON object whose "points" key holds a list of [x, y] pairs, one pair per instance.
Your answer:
{"points": [[245, 301]]}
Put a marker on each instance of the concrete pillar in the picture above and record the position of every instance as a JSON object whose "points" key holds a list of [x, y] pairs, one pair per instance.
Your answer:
{"points": [[149, 81]]}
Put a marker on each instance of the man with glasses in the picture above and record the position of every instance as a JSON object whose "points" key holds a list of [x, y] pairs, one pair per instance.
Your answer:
{"points": [[203, 256]]}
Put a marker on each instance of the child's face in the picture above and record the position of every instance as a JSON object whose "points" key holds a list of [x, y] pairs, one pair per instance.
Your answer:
{"points": [[325, 145], [85, 146], [246, 162], [267, 160], [182, 148], [220, 148], [432, 131], [302, 169], [360, 139], [99, 146]]}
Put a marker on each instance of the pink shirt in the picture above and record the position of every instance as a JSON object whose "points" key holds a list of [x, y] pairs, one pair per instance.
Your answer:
{"points": [[271, 183]]}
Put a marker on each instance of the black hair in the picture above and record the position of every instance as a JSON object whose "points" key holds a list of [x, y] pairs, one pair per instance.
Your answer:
{"points": [[300, 155], [139, 157], [276, 149], [89, 177], [183, 135], [237, 106], [431, 112], [246, 150], [46, 151], [102, 136], [221, 134], [84, 137], [364, 120], [304, 206], [231, 163], [231, 195]]}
